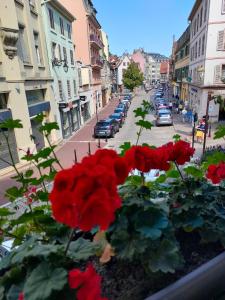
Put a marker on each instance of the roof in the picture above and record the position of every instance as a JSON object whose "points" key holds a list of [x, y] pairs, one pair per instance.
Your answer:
{"points": [[61, 9], [157, 56], [194, 9]]}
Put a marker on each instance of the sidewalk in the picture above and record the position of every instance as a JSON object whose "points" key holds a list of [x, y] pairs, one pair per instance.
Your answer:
{"points": [[79, 142]]}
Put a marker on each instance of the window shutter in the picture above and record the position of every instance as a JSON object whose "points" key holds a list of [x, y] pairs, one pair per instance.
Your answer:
{"points": [[217, 74], [221, 40]]}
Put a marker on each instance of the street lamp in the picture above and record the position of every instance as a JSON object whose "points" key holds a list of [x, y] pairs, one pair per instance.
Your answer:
{"points": [[57, 62]]}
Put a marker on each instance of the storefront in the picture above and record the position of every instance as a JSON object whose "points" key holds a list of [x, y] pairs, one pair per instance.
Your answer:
{"points": [[70, 117], [85, 108]]}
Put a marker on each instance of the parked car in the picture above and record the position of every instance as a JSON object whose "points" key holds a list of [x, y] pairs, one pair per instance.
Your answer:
{"points": [[123, 105], [118, 117], [120, 110], [127, 102], [164, 117], [158, 95], [106, 128]]}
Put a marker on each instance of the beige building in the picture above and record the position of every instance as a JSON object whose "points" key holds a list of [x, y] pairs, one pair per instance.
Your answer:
{"points": [[25, 81]]}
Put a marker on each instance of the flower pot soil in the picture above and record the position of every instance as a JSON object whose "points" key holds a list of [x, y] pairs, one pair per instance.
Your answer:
{"points": [[129, 281]]}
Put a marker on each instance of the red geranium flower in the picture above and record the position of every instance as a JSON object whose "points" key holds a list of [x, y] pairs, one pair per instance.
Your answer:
{"points": [[87, 283], [86, 195], [21, 296], [180, 152], [216, 173]]}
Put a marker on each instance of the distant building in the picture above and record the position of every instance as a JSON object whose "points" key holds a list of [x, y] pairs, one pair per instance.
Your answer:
{"points": [[153, 64], [122, 66], [138, 57], [25, 78], [181, 66], [164, 71], [207, 56], [58, 31]]}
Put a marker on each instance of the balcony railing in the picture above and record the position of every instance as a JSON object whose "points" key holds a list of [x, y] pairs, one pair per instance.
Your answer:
{"points": [[96, 62], [96, 41]]}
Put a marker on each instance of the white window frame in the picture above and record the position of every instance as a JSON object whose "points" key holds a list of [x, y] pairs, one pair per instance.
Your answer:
{"points": [[221, 40]]}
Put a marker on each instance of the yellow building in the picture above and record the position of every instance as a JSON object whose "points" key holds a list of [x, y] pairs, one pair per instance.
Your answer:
{"points": [[25, 81]]}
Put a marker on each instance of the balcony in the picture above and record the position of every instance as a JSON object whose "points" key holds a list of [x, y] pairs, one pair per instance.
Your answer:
{"points": [[95, 41], [96, 63]]}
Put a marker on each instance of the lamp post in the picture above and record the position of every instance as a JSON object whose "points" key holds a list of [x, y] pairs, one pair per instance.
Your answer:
{"points": [[206, 120]]}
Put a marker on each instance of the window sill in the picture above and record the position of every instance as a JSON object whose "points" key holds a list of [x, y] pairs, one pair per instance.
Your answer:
{"points": [[41, 67], [20, 2], [28, 65], [53, 31], [63, 37], [33, 11]]}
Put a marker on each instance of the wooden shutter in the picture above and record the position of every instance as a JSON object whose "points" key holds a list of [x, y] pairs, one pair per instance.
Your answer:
{"points": [[217, 74], [221, 40]]}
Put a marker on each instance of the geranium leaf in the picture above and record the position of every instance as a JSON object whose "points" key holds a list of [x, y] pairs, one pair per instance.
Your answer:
{"points": [[82, 249], [48, 127], [43, 281], [144, 124], [165, 258], [4, 212], [193, 171], [124, 147], [220, 132], [172, 174], [11, 124], [13, 193]]}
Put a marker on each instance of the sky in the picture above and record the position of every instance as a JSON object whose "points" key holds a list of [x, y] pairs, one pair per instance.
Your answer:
{"points": [[149, 24]]}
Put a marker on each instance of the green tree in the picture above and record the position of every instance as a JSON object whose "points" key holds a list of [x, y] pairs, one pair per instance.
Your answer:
{"points": [[133, 77]]}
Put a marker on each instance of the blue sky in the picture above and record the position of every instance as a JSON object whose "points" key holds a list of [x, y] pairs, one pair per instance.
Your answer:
{"points": [[149, 24]]}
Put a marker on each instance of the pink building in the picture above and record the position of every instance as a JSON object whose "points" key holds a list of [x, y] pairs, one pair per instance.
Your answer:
{"points": [[88, 43], [139, 57]]}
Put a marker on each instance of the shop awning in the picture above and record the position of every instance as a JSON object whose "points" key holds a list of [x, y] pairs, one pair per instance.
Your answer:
{"points": [[37, 108]]}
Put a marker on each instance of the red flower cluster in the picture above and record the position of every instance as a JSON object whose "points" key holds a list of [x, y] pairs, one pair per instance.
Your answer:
{"points": [[180, 152], [86, 195], [145, 159], [216, 173], [88, 284]]}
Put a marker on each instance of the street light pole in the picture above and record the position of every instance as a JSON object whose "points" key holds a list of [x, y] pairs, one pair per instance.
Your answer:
{"points": [[206, 121]]}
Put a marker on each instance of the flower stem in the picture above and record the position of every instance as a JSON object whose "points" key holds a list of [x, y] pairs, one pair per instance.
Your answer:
{"points": [[178, 169], [70, 240]]}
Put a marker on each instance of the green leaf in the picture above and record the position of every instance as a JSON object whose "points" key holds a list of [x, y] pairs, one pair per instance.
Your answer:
{"points": [[165, 258], [5, 212], [40, 118], [161, 178], [47, 163], [14, 193], [214, 158], [44, 153], [139, 112], [29, 173], [176, 137], [82, 249], [11, 124], [193, 171], [124, 147], [151, 222], [27, 217], [220, 132], [48, 127], [144, 124], [44, 281], [173, 174]]}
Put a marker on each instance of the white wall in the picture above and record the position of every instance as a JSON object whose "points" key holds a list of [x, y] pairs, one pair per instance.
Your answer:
{"points": [[121, 67]]}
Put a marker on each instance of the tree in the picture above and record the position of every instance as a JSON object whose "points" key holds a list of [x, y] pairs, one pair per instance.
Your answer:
{"points": [[133, 77]]}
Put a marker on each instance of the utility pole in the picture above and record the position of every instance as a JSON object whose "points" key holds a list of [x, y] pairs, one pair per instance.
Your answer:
{"points": [[206, 121]]}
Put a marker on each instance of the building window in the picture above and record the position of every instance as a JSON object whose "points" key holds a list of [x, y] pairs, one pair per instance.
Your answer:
{"points": [[68, 89], [203, 44], [69, 31], [124, 64], [3, 101], [74, 87], [22, 43], [221, 40], [60, 90], [64, 54], [51, 18], [223, 72], [199, 47], [59, 51], [197, 22], [71, 57], [196, 50], [61, 26], [201, 15], [53, 50], [32, 4], [223, 7], [205, 12], [37, 48]]}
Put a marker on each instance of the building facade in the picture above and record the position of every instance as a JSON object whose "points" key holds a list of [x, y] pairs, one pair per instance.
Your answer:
{"points": [[153, 63], [87, 38], [207, 56], [25, 78], [181, 67], [122, 66], [138, 57], [63, 66]]}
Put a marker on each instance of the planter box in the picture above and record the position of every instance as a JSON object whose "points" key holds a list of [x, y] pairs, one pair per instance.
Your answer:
{"points": [[201, 284]]}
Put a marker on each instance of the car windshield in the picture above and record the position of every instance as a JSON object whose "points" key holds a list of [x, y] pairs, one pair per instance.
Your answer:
{"points": [[115, 116], [164, 113], [103, 123], [118, 109]]}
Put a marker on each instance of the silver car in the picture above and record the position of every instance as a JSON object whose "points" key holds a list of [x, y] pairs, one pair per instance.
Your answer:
{"points": [[164, 117]]}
